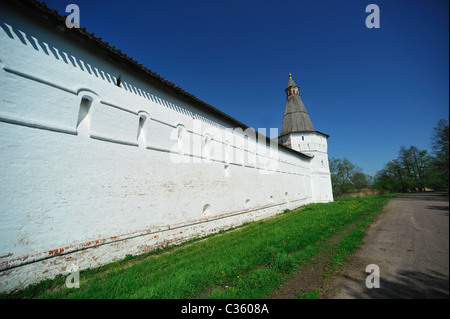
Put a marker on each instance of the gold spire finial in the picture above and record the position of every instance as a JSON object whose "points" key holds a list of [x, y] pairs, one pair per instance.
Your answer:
{"points": [[290, 75]]}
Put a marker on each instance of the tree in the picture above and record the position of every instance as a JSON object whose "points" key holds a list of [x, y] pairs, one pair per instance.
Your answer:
{"points": [[440, 147], [340, 170], [361, 180], [440, 137], [411, 171], [345, 176], [416, 166], [415, 169], [391, 178]]}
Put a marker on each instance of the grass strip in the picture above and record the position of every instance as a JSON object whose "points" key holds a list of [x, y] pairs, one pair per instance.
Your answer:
{"points": [[340, 252], [246, 263]]}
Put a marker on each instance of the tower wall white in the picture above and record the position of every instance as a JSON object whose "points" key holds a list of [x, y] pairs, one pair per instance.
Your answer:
{"points": [[315, 144]]}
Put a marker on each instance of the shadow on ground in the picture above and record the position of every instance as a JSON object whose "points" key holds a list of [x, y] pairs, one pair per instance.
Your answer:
{"points": [[429, 196], [405, 285]]}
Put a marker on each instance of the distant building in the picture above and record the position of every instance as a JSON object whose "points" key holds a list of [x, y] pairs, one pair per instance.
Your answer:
{"points": [[93, 168]]}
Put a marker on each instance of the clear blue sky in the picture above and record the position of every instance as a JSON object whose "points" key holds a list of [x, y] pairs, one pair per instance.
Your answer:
{"points": [[371, 90]]}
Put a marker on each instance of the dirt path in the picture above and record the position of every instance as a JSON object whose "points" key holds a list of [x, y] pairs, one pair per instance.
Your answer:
{"points": [[312, 276], [409, 243]]}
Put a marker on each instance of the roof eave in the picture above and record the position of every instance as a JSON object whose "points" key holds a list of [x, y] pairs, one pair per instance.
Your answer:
{"points": [[40, 9], [293, 132]]}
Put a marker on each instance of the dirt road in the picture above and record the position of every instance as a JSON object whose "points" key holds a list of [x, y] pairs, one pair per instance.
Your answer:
{"points": [[409, 243]]}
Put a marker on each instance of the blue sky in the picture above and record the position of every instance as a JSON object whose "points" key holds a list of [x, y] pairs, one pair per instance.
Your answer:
{"points": [[371, 90]]}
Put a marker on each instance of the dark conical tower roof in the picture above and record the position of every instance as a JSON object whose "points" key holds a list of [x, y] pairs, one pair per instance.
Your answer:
{"points": [[296, 118]]}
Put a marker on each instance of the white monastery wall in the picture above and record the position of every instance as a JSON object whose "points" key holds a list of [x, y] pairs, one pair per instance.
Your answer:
{"points": [[124, 171], [315, 144]]}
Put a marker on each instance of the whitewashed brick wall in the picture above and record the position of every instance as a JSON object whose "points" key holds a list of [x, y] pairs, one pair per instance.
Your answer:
{"points": [[115, 184]]}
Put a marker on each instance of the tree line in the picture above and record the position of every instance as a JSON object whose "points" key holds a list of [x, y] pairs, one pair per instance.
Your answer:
{"points": [[413, 170]]}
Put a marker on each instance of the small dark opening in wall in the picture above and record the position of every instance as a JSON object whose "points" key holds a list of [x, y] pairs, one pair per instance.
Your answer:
{"points": [[181, 132], [207, 210], [83, 122], [141, 132], [206, 147]]}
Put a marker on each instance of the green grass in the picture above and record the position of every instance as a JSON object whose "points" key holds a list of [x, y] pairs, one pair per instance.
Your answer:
{"points": [[315, 294], [248, 262]]}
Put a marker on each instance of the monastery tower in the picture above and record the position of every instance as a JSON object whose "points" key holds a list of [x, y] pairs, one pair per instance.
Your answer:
{"points": [[298, 133]]}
